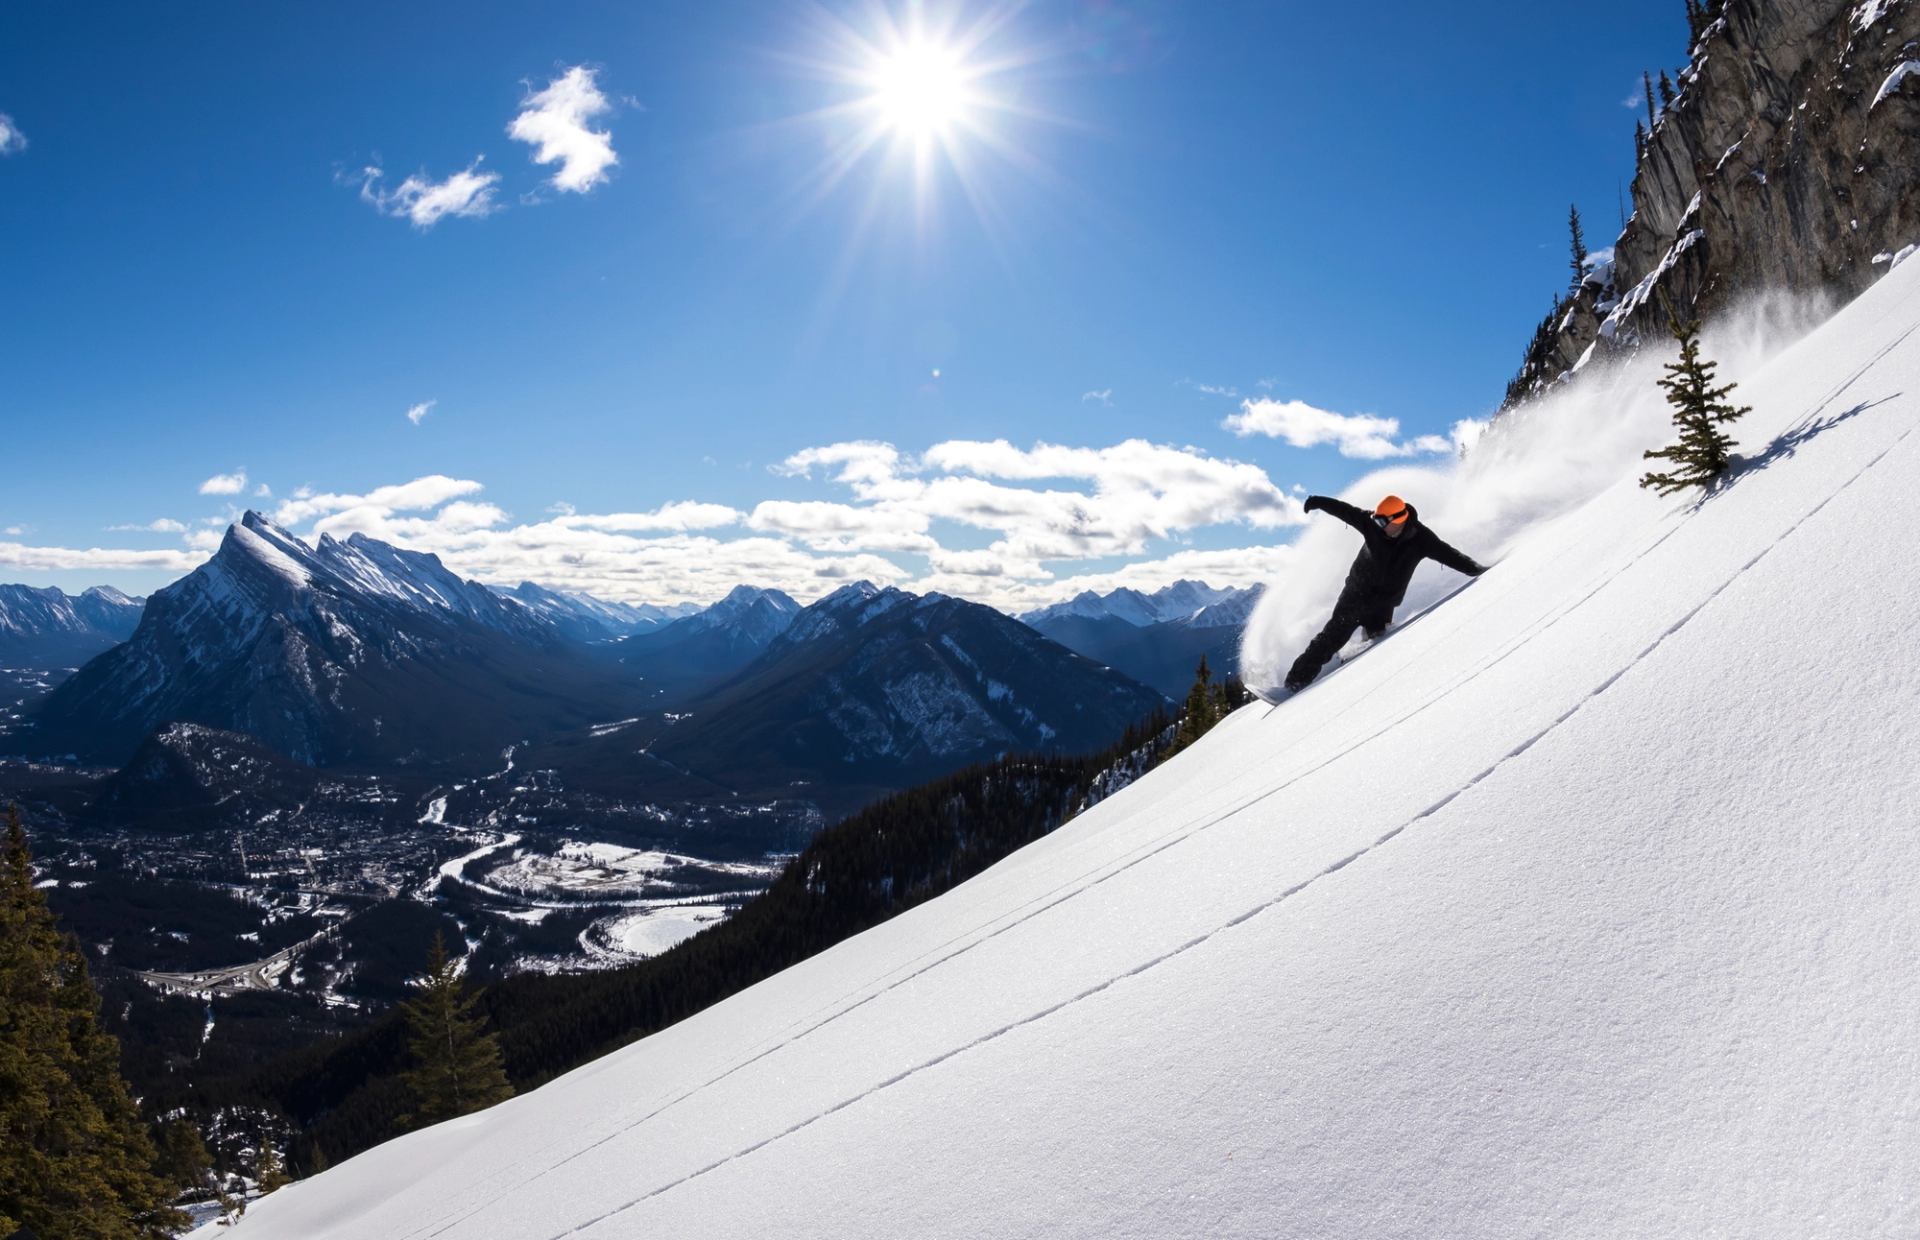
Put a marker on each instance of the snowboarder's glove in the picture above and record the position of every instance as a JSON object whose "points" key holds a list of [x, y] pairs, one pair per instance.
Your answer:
{"points": [[1315, 503]]}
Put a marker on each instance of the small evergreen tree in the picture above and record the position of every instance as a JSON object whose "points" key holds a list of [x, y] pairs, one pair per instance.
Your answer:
{"points": [[1639, 142], [1197, 716], [1646, 79], [1667, 95], [457, 1067], [269, 1172], [1699, 408], [1579, 247], [75, 1160], [1696, 21]]}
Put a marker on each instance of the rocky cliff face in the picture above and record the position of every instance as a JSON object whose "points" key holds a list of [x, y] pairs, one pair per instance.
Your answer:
{"points": [[1790, 160]]}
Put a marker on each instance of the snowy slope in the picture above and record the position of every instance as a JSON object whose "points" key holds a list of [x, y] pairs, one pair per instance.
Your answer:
{"points": [[1585, 907]]}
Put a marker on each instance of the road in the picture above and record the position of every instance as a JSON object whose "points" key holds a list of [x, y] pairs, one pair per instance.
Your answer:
{"points": [[256, 975]]}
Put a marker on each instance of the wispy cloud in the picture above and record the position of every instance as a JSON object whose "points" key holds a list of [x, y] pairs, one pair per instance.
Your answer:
{"points": [[12, 141], [1103, 396], [554, 122], [425, 202], [225, 484], [1363, 436], [1215, 389], [104, 559], [163, 525], [683, 515], [416, 413]]}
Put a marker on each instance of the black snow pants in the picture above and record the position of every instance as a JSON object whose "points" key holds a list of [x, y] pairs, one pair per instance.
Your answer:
{"points": [[1348, 615]]}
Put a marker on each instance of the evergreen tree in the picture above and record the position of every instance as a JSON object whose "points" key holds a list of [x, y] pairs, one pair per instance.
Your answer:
{"points": [[269, 1172], [183, 1163], [457, 1067], [1197, 715], [1696, 21], [1646, 79], [75, 1161], [1639, 142], [1667, 95], [1208, 702], [1579, 247], [1698, 410]]}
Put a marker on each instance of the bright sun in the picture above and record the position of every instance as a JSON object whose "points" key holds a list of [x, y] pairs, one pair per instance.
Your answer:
{"points": [[919, 91]]}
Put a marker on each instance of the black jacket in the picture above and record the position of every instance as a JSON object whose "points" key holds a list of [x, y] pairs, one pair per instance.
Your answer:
{"points": [[1377, 582]]}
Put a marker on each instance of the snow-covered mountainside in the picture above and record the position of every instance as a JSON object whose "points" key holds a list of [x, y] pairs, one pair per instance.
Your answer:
{"points": [[586, 618], [1583, 907], [343, 651], [46, 627], [1158, 640]]}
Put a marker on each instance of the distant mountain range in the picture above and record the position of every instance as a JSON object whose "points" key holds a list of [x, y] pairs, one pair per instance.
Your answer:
{"points": [[1158, 639], [47, 628], [888, 688], [355, 653], [680, 659], [589, 619], [343, 652]]}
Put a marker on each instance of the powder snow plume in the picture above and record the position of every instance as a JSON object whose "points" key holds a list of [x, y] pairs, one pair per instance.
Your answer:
{"points": [[1532, 465]]}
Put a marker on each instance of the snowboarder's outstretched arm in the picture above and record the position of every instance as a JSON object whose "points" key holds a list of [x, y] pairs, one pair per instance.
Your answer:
{"points": [[1358, 518], [1457, 560]]}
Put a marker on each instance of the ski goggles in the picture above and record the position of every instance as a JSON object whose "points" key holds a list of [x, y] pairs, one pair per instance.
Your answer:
{"points": [[1383, 521]]}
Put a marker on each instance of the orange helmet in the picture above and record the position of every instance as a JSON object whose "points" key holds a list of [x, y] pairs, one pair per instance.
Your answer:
{"points": [[1394, 509]]}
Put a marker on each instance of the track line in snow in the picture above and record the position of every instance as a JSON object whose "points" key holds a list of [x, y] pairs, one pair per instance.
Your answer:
{"points": [[1045, 901], [1287, 894]]}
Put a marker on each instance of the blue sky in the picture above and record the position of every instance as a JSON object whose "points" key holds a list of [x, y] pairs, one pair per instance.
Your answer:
{"points": [[1163, 258]]}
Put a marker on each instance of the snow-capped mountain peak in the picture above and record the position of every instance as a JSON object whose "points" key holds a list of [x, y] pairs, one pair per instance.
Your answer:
{"points": [[1179, 601]]}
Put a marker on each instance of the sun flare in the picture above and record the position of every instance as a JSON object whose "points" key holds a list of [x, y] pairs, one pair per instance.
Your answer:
{"points": [[919, 91]]}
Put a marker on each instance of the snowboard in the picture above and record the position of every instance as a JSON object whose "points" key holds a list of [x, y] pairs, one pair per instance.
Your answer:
{"points": [[1277, 694]]}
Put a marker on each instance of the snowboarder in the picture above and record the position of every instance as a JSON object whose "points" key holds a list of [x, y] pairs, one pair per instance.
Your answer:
{"points": [[1396, 542]]}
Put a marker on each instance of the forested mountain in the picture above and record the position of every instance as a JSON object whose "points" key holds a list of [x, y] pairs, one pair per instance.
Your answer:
{"points": [[869, 690], [680, 659], [1159, 638]]}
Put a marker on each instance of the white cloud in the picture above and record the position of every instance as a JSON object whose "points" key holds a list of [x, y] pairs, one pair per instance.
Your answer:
{"points": [[263, 491], [415, 413], [845, 527], [162, 525], [425, 202], [1363, 436], [12, 140], [14, 531], [1103, 396], [1137, 493], [225, 484], [422, 493], [51, 559], [684, 515], [554, 122]]}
